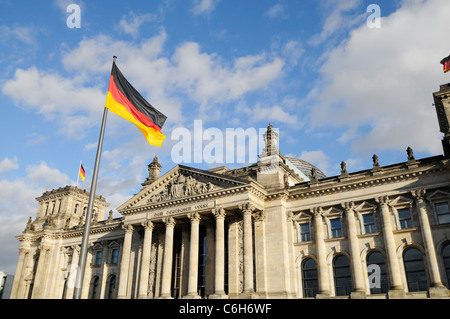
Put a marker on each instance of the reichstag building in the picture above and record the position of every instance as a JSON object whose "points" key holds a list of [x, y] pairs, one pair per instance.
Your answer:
{"points": [[278, 228]]}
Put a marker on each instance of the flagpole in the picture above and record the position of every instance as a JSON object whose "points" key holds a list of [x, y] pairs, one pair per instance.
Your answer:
{"points": [[78, 175], [87, 225]]}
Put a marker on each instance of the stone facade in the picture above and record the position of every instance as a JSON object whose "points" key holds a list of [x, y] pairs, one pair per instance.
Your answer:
{"points": [[273, 229]]}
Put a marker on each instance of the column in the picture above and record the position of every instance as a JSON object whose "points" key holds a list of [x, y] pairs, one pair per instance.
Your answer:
{"points": [[260, 254], [167, 262], [73, 268], [357, 267], [193, 256], [324, 279], [18, 287], [145, 264], [435, 277], [247, 210], [125, 262], [41, 278], [219, 274], [389, 243]]}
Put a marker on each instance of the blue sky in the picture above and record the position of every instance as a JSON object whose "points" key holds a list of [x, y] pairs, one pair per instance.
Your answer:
{"points": [[337, 89]]}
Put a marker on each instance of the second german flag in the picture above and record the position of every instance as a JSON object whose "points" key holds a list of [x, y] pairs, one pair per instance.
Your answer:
{"points": [[124, 100]]}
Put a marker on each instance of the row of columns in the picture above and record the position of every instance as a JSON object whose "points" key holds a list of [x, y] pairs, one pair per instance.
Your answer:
{"points": [[393, 264], [219, 263]]}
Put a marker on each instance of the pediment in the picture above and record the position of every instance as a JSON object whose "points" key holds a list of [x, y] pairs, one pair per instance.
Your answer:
{"points": [[438, 194], [179, 183], [365, 206], [401, 200], [332, 211]]}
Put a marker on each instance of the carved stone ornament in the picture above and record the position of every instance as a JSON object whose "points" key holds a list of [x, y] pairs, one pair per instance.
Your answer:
{"points": [[182, 186]]}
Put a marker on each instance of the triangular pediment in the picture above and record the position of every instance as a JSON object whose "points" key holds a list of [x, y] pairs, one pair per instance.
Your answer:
{"points": [[332, 211], [438, 194], [365, 206], [179, 183], [401, 200]]}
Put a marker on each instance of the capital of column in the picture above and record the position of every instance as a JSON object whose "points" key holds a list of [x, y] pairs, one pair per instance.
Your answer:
{"points": [[148, 225], [128, 228], [194, 217], [349, 207], [419, 195], [383, 200], [76, 248], [219, 213], [259, 216], [169, 221], [289, 215], [247, 208], [317, 212]]}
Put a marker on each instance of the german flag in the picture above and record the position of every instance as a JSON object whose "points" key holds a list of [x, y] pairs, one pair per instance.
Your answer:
{"points": [[82, 172], [446, 63], [124, 100]]}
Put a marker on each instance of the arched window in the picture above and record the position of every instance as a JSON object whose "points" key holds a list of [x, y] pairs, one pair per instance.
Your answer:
{"points": [[94, 287], [112, 287], [342, 275], [446, 257], [310, 278], [376, 269], [415, 270], [76, 209]]}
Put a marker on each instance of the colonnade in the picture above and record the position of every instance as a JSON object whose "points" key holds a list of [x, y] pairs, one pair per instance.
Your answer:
{"points": [[397, 287], [194, 218]]}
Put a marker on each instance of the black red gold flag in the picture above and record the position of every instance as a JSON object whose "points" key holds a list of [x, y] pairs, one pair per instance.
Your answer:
{"points": [[82, 172], [124, 100], [446, 63]]}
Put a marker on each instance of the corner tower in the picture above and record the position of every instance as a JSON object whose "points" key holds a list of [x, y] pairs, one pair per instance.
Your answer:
{"points": [[65, 207], [442, 104]]}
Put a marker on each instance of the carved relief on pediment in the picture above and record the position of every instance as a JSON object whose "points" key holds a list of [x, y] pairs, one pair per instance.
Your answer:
{"points": [[181, 186]]}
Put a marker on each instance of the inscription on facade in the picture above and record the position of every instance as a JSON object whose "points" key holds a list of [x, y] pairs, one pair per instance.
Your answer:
{"points": [[182, 210]]}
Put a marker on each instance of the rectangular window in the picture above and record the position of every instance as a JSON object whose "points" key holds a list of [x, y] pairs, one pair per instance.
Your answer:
{"points": [[114, 257], [305, 232], [404, 217], [336, 228], [369, 223], [98, 258], [443, 213], [69, 260]]}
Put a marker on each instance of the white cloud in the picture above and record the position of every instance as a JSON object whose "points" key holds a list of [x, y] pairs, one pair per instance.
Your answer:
{"points": [[337, 19], [208, 79], [44, 175], [17, 204], [7, 164], [204, 77], [204, 6], [318, 159], [378, 83], [56, 98], [27, 35], [131, 22], [275, 11]]}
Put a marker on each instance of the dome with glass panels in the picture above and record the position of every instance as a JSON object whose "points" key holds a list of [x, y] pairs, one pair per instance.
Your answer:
{"points": [[297, 164]]}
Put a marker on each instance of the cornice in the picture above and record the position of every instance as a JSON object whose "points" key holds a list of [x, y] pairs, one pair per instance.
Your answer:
{"points": [[366, 179], [253, 188]]}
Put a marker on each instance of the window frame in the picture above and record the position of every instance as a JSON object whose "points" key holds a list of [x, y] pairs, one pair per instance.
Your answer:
{"points": [[408, 273], [400, 220], [370, 225], [301, 233], [97, 260], [347, 289], [333, 230], [309, 292], [439, 202], [384, 280]]}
